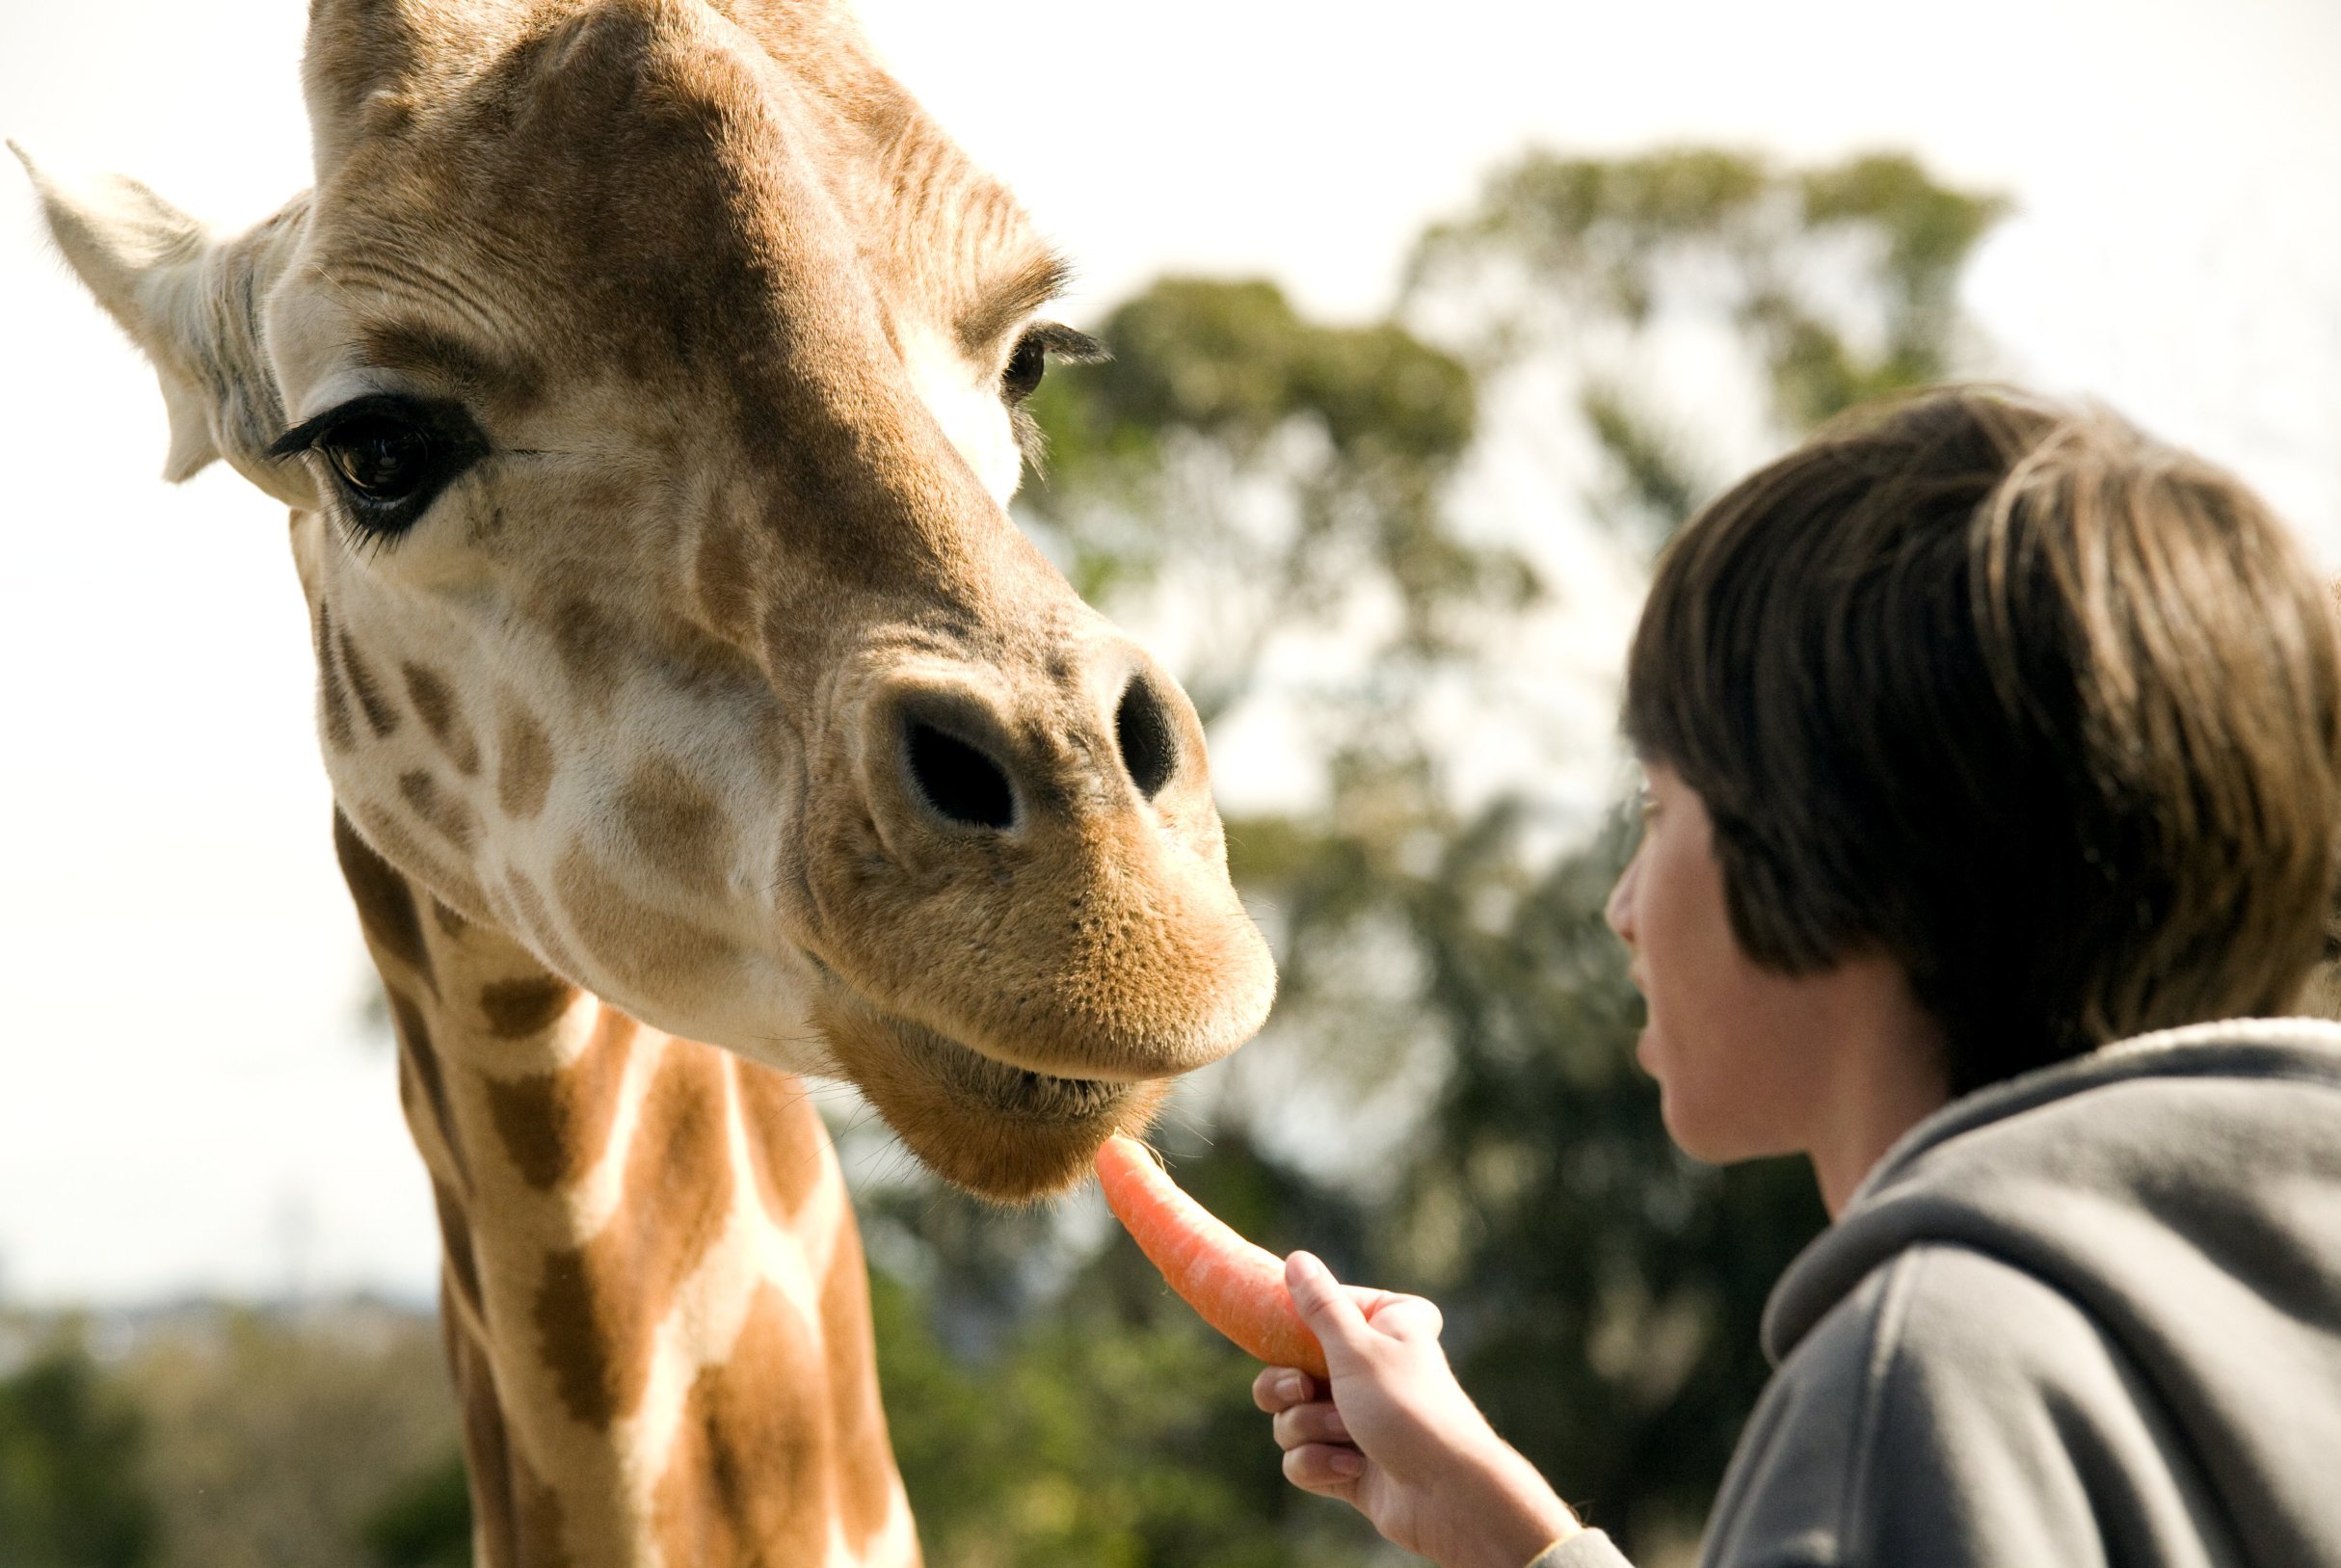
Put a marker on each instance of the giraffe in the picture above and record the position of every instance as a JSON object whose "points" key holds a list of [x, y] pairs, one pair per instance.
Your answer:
{"points": [[642, 377]]}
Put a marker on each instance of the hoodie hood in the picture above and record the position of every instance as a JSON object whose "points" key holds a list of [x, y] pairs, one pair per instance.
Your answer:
{"points": [[2183, 1189]]}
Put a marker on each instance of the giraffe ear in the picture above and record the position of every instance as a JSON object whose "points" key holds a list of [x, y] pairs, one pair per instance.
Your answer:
{"points": [[191, 303]]}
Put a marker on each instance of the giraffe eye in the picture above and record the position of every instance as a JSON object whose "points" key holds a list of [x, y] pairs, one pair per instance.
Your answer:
{"points": [[390, 457], [1026, 369], [384, 459], [1029, 361]]}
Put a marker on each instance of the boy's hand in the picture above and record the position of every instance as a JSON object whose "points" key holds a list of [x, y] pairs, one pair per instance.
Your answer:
{"points": [[1398, 1440]]}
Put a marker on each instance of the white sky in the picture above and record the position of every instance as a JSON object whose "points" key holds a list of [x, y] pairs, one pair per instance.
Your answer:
{"points": [[184, 1102]]}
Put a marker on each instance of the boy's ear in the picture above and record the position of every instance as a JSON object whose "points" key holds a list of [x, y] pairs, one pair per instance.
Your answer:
{"points": [[191, 303]]}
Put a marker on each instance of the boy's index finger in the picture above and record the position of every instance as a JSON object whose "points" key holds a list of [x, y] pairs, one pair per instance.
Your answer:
{"points": [[1395, 1313], [1372, 1301], [1406, 1318]]}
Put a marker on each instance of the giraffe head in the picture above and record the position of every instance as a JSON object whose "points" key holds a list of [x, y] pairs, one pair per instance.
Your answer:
{"points": [[641, 375]]}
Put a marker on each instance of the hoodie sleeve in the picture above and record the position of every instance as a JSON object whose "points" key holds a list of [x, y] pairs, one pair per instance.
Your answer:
{"points": [[1587, 1548], [1955, 1412]]}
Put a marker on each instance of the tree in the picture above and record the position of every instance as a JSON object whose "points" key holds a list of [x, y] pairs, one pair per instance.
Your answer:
{"points": [[1835, 285], [72, 1488], [424, 1520], [279, 1440], [1276, 476]]}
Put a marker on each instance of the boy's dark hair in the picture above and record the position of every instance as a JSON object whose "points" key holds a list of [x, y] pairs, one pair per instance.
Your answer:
{"points": [[2044, 710]]}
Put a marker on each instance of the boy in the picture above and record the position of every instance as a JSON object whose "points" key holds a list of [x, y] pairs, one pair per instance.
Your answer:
{"points": [[1979, 735]]}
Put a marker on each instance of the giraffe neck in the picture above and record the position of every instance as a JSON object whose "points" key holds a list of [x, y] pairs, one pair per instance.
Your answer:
{"points": [[653, 1289]]}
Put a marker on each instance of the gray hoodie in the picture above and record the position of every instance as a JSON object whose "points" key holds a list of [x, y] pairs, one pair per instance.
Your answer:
{"points": [[2088, 1316]]}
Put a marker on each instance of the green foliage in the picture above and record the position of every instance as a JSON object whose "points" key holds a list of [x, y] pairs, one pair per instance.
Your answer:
{"points": [[1234, 362], [423, 1521], [1289, 460], [1089, 1437], [1619, 236], [275, 1440], [1841, 280], [73, 1491], [231, 1438]]}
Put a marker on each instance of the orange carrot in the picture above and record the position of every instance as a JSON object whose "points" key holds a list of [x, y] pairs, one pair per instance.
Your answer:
{"points": [[1237, 1288]]}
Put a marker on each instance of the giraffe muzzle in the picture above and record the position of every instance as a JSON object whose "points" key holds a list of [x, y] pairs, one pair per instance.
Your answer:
{"points": [[1027, 896]]}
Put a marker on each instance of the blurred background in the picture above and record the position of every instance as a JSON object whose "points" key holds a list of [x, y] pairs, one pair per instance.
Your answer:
{"points": [[1429, 327]]}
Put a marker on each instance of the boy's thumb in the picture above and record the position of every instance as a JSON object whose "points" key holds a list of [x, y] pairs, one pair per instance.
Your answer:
{"points": [[1326, 1307]]}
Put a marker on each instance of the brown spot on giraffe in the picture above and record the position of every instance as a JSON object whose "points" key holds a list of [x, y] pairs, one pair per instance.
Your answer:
{"points": [[589, 640], [486, 1446], [338, 733], [866, 1476], [641, 944], [597, 1305], [450, 923], [412, 1102], [385, 903], [443, 716], [785, 1138], [415, 1047], [747, 1481], [554, 1124], [518, 1519], [380, 717], [518, 1009], [455, 1244], [675, 824], [390, 833], [524, 765], [444, 812]]}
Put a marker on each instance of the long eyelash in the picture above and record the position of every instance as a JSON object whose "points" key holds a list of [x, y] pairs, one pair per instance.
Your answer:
{"points": [[367, 543], [1031, 440], [362, 543], [303, 436], [309, 431], [1063, 342]]}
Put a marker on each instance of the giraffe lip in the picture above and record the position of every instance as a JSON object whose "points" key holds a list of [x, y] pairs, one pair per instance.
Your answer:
{"points": [[1014, 1091], [1000, 1132], [968, 1076]]}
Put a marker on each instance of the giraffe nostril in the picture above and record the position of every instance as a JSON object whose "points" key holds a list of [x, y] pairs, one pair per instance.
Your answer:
{"points": [[958, 781], [1150, 746]]}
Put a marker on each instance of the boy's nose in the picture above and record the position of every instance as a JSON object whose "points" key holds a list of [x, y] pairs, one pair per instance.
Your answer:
{"points": [[1619, 911]]}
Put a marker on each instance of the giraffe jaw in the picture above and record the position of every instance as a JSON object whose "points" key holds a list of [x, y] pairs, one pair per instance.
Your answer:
{"points": [[1002, 1132]]}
